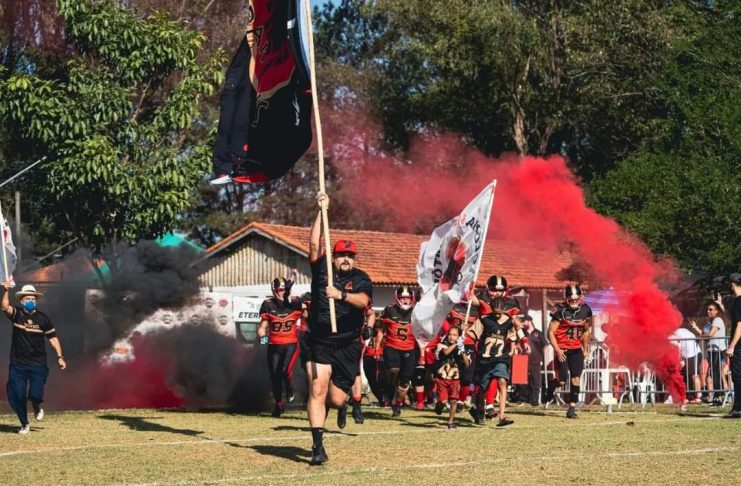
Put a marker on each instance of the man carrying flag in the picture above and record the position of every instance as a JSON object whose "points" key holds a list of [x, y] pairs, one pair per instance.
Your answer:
{"points": [[333, 358]]}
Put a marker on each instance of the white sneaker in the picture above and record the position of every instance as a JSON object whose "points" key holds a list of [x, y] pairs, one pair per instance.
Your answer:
{"points": [[25, 430], [40, 414]]}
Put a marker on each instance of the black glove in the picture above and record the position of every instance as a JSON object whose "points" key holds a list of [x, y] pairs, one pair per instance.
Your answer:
{"points": [[287, 290], [367, 332]]}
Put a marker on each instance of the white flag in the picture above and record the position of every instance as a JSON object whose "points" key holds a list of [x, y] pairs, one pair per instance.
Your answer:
{"points": [[8, 248], [449, 264]]}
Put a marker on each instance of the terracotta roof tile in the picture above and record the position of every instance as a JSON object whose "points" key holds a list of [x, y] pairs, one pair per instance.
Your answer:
{"points": [[391, 258]]}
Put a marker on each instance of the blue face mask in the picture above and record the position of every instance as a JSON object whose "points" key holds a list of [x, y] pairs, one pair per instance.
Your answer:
{"points": [[30, 305]]}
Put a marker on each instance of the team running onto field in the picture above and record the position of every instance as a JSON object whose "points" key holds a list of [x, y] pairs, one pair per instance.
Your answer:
{"points": [[475, 352]]}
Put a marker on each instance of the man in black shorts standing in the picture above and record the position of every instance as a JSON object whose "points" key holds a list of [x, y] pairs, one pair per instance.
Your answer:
{"points": [[734, 346], [333, 358]]}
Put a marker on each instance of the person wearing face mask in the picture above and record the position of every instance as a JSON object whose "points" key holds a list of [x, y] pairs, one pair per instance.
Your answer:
{"points": [[568, 333], [28, 371]]}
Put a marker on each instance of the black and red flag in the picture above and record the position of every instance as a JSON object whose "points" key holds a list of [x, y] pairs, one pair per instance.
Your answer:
{"points": [[265, 122]]}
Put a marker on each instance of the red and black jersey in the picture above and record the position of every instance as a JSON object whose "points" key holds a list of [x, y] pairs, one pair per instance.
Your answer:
{"points": [[283, 321], [398, 325], [511, 305], [495, 339], [571, 324]]}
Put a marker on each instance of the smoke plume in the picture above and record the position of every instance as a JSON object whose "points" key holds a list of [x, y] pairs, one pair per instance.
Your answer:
{"points": [[537, 200]]}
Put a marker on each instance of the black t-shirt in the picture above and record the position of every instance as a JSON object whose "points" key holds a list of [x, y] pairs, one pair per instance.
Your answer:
{"points": [[735, 316], [28, 346], [350, 319], [495, 339]]}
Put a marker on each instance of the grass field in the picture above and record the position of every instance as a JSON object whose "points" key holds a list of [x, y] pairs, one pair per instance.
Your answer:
{"points": [[171, 447]]}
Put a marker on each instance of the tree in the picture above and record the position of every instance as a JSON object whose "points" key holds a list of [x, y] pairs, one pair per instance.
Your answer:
{"points": [[528, 76], [681, 192], [117, 123]]}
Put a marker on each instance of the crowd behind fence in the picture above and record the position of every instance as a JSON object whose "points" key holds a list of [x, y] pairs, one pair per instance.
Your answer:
{"points": [[705, 368]]}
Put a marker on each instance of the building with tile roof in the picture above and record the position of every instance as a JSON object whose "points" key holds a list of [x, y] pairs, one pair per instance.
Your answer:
{"points": [[246, 261]]}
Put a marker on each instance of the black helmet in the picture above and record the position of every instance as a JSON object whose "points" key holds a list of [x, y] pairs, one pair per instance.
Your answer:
{"points": [[496, 283], [573, 295]]}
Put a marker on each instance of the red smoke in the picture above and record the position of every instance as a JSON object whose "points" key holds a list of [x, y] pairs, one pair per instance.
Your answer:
{"points": [[538, 199]]}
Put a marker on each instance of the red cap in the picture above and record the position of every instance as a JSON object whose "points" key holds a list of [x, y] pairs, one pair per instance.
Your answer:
{"points": [[345, 246]]}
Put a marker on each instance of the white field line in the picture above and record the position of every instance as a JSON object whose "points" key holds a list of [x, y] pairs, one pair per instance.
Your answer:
{"points": [[329, 435], [435, 465]]}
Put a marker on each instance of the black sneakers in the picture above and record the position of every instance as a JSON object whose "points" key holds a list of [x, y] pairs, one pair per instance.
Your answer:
{"points": [[357, 413], [318, 455], [478, 417], [342, 416], [571, 413]]}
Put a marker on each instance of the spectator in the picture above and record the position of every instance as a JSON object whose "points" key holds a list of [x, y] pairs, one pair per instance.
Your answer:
{"points": [[714, 332], [734, 347], [691, 356]]}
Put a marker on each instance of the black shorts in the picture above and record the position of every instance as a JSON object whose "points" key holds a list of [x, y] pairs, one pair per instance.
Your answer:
{"points": [[404, 361], [492, 371], [574, 364], [343, 357]]}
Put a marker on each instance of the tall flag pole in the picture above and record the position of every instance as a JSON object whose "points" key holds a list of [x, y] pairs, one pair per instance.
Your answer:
{"points": [[449, 264], [320, 150]]}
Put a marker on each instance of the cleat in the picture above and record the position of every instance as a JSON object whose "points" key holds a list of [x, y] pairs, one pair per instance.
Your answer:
{"points": [[459, 407], [489, 412], [439, 408], [452, 426], [357, 413], [342, 416], [318, 455], [278, 410], [25, 430], [395, 410]]}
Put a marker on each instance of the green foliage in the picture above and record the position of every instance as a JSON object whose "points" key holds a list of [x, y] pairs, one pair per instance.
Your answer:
{"points": [[531, 77], [681, 191], [118, 123]]}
